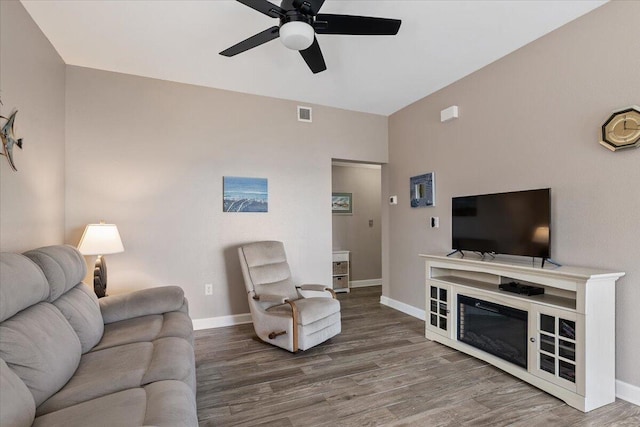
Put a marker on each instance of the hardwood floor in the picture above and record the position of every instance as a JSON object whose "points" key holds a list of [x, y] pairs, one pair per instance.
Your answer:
{"points": [[380, 371]]}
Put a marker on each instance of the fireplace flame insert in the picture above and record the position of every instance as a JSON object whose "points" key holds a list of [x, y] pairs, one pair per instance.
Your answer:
{"points": [[493, 328]]}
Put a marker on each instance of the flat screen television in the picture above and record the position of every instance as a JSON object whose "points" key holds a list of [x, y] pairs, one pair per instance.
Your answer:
{"points": [[514, 223]]}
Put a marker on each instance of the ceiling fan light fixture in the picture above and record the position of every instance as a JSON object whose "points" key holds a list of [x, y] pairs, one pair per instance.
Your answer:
{"points": [[297, 35]]}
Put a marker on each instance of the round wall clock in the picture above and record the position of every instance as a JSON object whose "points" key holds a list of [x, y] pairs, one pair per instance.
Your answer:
{"points": [[622, 129]]}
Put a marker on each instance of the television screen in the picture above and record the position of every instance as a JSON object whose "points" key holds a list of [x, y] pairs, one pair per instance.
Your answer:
{"points": [[515, 223]]}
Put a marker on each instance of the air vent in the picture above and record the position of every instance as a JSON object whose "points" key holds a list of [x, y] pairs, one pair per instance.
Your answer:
{"points": [[304, 114]]}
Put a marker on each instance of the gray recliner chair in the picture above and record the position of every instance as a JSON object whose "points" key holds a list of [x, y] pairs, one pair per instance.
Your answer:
{"points": [[288, 316]]}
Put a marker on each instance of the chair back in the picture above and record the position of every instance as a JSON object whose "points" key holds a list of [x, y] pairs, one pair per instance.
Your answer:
{"points": [[265, 269]]}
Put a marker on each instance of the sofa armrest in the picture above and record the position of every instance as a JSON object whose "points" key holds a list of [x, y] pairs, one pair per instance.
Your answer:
{"points": [[142, 303]]}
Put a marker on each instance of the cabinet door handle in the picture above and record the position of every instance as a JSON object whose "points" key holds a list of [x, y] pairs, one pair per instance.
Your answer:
{"points": [[532, 339]]}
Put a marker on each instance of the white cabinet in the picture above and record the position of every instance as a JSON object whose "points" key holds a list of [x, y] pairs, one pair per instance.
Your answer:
{"points": [[340, 271], [565, 338]]}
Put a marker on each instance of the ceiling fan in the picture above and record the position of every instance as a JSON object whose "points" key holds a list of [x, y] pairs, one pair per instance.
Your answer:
{"points": [[300, 22]]}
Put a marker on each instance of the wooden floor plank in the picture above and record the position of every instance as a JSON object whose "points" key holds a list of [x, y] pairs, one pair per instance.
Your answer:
{"points": [[380, 371]]}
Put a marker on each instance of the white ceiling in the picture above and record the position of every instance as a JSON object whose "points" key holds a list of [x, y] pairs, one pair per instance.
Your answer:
{"points": [[438, 43]]}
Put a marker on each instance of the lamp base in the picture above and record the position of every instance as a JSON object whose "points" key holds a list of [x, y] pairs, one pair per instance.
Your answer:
{"points": [[100, 277]]}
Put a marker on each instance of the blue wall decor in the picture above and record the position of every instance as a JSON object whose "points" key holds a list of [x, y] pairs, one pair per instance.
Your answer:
{"points": [[422, 190], [245, 194]]}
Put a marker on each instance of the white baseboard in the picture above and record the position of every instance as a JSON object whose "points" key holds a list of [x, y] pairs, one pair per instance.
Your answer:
{"points": [[221, 321], [624, 391], [405, 308], [365, 283], [628, 392]]}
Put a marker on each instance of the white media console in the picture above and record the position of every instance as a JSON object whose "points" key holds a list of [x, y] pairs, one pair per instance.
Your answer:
{"points": [[570, 332]]}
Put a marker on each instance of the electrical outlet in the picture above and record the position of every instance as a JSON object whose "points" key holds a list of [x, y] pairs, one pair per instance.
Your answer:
{"points": [[435, 222], [208, 289]]}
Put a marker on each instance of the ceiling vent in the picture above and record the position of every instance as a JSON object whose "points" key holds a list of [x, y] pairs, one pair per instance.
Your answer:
{"points": [[304, 114]]}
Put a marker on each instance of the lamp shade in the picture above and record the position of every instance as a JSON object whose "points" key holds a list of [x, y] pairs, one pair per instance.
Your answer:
{"points": [[100, 239]]}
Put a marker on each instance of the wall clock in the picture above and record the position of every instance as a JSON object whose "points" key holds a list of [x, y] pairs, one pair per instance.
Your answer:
{"points": [[622, 129]]}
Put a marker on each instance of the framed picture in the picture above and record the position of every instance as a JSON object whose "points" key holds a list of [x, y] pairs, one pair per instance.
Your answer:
{"points": [[341, 203], [422, 190], [245, 194]]}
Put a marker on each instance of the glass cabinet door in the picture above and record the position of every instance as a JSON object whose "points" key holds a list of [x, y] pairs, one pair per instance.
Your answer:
{"points": [[554, 337], [438, 297]]}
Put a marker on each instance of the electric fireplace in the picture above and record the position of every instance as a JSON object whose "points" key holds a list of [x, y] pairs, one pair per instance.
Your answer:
{"points": [[493, 328]]}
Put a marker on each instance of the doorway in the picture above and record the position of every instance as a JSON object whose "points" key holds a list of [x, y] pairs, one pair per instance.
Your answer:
{"points": [[358, 234]]}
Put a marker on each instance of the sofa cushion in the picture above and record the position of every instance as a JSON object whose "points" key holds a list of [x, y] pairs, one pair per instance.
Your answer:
{"points": [[22, 284], [125, 408], [81, 309], [63, 266], [101, 373], [173, 359], [127, 366], [40, 346], [147, 328], [165, 403], [17, 408], [138, 329], [170, 403], [177, 324]]}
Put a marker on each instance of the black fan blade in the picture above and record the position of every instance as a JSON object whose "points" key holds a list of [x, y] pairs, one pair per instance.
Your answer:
{"points": [[356, 25], [309, 7], [265, 7], [313, 57], [253, 41]]}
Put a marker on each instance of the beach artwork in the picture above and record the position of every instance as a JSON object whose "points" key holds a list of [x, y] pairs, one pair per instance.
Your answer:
{"points": [[341, 203], [245, 194]]}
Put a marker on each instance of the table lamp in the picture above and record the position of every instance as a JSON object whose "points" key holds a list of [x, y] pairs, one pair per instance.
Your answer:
{"points": [[100, 239]]}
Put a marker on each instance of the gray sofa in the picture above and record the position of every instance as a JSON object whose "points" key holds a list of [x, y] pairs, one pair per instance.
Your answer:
{"points": [[69, 359]]}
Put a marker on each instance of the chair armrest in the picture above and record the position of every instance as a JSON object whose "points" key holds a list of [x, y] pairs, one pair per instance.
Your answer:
{"points": [[268, 298], [319, 288], [326, 292], [142, 303]]}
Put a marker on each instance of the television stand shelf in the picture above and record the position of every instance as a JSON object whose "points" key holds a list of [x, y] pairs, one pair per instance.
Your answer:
{"points": [[569, 338]]}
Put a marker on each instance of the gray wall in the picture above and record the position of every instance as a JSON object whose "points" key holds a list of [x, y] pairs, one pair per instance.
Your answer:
{"points": [[531, 120], [32, 79], [352, 232], [150, 155]]}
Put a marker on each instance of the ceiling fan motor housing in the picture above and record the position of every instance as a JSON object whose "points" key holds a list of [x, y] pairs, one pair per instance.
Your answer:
{"points": [[296, 30]]}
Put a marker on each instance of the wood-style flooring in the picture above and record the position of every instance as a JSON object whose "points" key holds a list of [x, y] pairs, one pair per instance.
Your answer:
{"points": [[380, 371]]}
